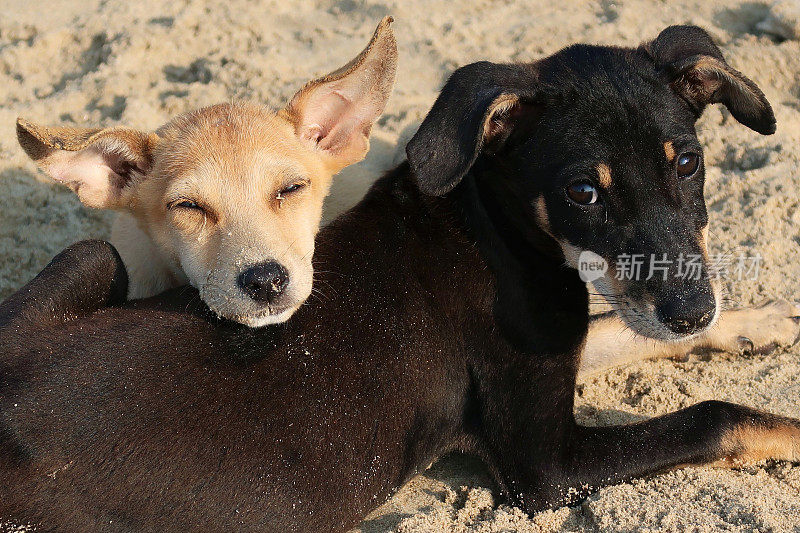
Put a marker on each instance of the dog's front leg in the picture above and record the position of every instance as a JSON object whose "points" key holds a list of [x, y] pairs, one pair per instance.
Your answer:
{"points": [[83, 278], [711, 433], [754, 329], [580, 461]]}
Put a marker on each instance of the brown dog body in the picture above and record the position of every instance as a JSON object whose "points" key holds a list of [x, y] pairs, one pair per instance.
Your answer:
{"points": [[307, 426]]}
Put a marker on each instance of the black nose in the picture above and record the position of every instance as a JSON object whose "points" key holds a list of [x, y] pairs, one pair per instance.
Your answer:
{"points": [[264, 282], [685, 316]]}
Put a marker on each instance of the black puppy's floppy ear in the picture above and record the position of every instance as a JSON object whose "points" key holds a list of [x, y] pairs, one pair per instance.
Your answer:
{"points": [[699, 74], [476, 111]]}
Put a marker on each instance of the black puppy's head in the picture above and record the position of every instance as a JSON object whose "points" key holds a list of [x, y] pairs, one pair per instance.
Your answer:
{"points": [[595, 148]]}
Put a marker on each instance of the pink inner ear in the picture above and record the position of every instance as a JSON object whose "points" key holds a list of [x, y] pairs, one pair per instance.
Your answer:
{"points": [[333, 117], [348, 135], [336, 112], [312, 132], [337, 116], [89, 173]]}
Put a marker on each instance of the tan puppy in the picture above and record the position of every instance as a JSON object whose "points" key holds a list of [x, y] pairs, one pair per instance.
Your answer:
{"points": [[227, 198]]}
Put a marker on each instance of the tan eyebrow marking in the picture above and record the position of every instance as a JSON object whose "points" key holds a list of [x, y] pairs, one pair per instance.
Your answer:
{"points": [[541, 215], [605, 175], [669, 151]]}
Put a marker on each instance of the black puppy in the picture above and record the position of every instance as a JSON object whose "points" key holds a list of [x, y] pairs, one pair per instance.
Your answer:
{"points": [[449, 322]]}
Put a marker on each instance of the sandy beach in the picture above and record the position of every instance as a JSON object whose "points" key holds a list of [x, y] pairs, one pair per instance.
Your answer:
{"points": [[108, 62]]}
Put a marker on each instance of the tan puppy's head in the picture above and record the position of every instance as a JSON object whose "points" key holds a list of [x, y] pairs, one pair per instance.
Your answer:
{"points": [[232, 194]]}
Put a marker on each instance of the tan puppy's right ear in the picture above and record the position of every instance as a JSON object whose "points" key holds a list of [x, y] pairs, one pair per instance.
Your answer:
{"points": [[335, 113], [98, 164]]}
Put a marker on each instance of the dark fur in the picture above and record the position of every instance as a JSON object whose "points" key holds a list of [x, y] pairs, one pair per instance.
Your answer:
{"points": [[444, 323]]}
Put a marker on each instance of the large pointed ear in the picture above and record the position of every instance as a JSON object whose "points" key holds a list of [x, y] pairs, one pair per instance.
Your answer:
{"points": [[335, 113], [478, 109], [98, 164], [697, 72]]}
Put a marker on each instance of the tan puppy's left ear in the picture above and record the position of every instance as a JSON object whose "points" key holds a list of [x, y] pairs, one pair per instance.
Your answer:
{"points": [[335, 113], [100, 165]]}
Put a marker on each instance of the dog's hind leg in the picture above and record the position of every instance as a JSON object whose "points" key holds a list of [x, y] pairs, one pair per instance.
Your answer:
{"points": [[83, 278], [754, 329]]}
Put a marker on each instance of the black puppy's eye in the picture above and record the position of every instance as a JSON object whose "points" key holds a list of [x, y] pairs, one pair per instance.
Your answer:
{"points": [[582, 192], [688, 164]]}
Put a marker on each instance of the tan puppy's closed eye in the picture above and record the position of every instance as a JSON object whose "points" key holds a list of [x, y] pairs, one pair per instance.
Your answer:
{"points": [[227, 198]]}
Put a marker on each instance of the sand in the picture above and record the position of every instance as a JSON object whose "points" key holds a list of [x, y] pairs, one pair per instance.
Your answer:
{"points": [[139, 63]]}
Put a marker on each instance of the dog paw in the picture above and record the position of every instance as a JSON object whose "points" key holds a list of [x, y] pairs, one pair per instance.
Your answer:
{"points": [[761, 329]]}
